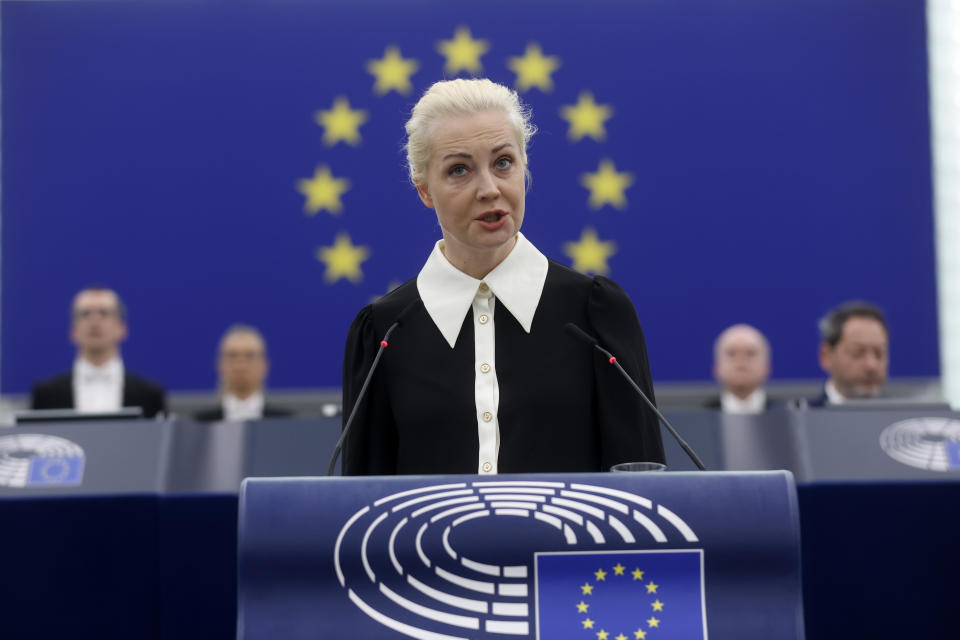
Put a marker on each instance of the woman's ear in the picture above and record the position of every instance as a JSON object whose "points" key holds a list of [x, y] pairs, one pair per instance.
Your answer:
{"points": [[424, 191]]}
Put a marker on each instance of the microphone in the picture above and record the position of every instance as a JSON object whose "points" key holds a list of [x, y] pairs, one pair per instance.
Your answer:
{"points": [[384, 343], [580, 334]]}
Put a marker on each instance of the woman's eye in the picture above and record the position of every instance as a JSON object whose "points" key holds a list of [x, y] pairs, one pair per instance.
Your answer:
{"points": [[504, 162], [457, 170]]}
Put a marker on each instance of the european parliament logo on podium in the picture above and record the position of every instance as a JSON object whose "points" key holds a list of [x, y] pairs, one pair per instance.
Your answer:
{"points": [[570, 560]]}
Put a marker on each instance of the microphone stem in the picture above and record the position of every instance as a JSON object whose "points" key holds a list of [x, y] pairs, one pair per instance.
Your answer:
{"points": [[360, 396], [612, 360]]}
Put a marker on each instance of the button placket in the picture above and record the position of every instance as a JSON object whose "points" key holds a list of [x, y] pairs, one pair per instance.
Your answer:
{"points": [[485, 380]]}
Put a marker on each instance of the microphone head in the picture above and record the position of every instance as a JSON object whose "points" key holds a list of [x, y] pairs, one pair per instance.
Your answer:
{"points": [[580, 334]]}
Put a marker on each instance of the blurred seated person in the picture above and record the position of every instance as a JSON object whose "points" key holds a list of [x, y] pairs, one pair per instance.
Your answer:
{"points": [[243, 365], [741, 364], [854, 352], [99, 382]]}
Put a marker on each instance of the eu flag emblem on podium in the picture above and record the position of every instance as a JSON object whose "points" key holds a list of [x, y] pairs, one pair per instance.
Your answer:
{"points": [[620, 595], [55, 470]]}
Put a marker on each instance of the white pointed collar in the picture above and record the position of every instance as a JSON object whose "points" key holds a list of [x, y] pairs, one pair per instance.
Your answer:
{"points": [[517, 283]]}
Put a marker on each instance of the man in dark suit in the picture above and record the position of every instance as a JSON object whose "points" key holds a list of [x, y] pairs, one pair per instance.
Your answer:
{"points": [[98, 381], [242, 363], [854, 352], [741, 364]]}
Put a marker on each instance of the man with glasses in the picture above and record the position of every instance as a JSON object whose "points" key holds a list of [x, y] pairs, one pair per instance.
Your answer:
{"points": [[242, 364], [98, 383]]}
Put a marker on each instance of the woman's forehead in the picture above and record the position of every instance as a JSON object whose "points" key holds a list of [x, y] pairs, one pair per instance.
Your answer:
{"points": [[485, 130]]}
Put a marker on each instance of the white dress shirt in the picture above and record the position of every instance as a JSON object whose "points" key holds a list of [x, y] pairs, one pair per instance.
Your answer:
{"points": [[448, 294], [756, 402], [98, 389], [833, 395], [237, 410]]}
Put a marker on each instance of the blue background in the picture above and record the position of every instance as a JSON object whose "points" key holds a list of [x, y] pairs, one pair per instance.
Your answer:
{"points": [[780, 153]]}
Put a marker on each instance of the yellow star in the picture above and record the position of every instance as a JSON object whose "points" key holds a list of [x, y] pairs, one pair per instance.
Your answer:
{"points": [[653, 622], [343, 259], [582, 607], [586, 118], [533, 69], [463, 52], [588, 623], [607, 185], [323, 191], [600, 574], [652, 587], [590, 254], [587, 589], [637, 574], [657, 605], [639, 634], [602, 635], [621, 637], [341, 122], [393, 72], [618, 570]]}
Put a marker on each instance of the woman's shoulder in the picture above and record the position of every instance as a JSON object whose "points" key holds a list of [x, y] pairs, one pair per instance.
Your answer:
{"points": [[385, 309], [560, 275]]}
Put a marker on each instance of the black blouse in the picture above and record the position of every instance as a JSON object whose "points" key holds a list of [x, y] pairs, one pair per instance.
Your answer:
{"points": [[562, 408]]}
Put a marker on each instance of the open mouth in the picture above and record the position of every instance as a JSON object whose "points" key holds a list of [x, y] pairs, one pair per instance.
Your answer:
{"points": [[492, 216]]}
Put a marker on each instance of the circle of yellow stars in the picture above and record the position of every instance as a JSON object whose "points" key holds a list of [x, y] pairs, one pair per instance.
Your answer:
{"points": [[392, 72], [601, 576]]}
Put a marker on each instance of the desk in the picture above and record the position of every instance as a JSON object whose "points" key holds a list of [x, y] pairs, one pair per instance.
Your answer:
{"points": [[880, 559]]}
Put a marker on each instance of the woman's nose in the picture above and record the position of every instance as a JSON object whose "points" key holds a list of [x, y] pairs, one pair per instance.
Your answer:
{"points": [[486, 186]]}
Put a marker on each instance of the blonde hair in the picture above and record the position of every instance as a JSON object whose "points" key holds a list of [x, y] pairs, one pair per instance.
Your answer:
{"points": [[461, 97]]}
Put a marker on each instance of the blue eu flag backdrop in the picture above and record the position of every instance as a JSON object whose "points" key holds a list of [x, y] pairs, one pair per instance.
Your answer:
{"points": [[620, 595], [241, 161]]}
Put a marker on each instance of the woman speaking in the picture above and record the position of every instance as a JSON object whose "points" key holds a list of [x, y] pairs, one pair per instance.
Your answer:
{"points": [[481, 376]]}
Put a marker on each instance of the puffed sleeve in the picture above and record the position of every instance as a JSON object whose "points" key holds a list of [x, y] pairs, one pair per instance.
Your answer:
{"points": [[629, 430], [371, 446]]}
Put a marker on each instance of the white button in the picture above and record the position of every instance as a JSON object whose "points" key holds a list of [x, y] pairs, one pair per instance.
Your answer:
{"points": [[484, 368], [483, 318], [483, 286], [487, 416], [487, 467]]}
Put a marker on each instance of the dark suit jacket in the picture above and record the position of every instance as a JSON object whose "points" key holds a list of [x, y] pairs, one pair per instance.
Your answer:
{"points": [[57, 393], [215, 414], [820, 400]]}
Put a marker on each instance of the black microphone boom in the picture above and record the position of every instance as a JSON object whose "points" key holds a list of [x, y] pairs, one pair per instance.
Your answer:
{"points": [[580, 334], [384, 343]]}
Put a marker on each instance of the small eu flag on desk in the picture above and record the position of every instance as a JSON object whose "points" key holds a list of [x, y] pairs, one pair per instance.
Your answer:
{"points": [[620, 595], [953, 453], [55, 470]]}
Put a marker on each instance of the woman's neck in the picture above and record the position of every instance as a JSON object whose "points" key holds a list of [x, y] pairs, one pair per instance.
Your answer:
{"points": [[477, 264]]}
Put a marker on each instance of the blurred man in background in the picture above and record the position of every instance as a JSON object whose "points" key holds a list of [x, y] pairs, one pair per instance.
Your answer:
{"points": [[242, 363], [99, 382], [741, 364], [854, 352]]}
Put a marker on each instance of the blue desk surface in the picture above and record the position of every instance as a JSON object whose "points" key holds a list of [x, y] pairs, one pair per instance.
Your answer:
{"points": [[879, 561]]}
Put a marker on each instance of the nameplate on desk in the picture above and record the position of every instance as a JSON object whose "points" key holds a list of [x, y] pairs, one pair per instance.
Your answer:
{"points": [[931, 443], [39, 460]]}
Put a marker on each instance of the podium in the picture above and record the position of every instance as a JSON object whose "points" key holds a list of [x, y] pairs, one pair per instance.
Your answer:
{"points": [[610, 556]]}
